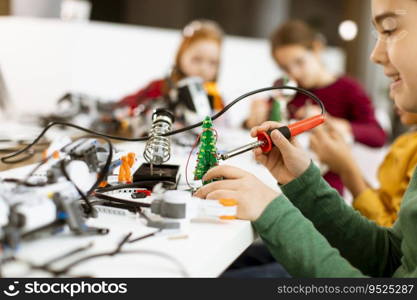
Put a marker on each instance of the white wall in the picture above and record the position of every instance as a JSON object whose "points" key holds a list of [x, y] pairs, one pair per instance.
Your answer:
{"points": [[3, 93], [43, 58], [36, 8], [270, 15]]}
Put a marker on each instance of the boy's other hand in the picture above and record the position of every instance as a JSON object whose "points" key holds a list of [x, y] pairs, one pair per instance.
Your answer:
{"points": [[252, 195]]}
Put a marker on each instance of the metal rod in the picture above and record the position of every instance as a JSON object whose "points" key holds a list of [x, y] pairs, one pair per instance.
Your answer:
{"points": [[241, 150]]}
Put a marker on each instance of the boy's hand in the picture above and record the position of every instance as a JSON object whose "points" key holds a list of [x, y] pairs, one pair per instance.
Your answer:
{"points": [[307, 111], [287, 160], [252, 195], [339, 125], [259, 111], [331, 148]]}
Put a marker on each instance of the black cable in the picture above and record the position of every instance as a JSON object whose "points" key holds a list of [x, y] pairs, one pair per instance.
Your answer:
{"points": [[25, 181], [5, 159], [119, 200], [101, 175], [143, 215], [67, 254], [30, 154], [111, 253], [145, 236], [83, 196], [50, 227], [22, 182], [118, 250], [104, 172], [46, 160], [139, 184]]}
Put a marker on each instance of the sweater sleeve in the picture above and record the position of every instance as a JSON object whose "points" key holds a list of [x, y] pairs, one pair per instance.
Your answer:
{"points": [[152, 91], [297, 245], [365, 127], [372, 249]]}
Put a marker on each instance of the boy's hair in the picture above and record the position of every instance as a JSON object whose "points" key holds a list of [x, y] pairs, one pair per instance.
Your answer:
{"points": [[293, 32], [195, 31]]}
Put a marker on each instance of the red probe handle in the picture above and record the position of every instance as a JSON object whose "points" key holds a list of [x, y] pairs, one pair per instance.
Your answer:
{"points": [[289, 131], [305, 125]]}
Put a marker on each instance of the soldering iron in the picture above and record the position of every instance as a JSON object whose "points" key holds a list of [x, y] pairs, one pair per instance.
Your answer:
{"points": [[264, 137]]}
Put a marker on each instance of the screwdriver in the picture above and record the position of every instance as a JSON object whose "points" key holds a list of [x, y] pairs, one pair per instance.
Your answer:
{"points": [[264, 138]]}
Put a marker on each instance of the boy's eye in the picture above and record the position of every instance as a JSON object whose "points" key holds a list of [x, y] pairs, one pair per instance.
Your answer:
{"points": [[384, 34], [388, 32]]}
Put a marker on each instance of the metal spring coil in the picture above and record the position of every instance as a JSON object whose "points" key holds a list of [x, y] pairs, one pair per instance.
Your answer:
{"points": [[158, 147]]}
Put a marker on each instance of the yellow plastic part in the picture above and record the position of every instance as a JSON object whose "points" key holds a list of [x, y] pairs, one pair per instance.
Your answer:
{"points": [[227, 218]]}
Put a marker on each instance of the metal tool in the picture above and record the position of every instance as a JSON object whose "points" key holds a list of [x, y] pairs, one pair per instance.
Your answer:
{"points": [[241, 150]]}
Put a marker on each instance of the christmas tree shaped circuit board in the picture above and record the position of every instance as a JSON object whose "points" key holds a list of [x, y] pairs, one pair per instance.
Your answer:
{"points": [[207, 154]]}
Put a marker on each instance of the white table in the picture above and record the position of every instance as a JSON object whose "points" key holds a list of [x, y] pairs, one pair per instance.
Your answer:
{"points": [[210, 247]]}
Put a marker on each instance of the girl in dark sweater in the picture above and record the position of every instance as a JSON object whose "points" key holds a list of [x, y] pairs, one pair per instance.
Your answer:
{"points": [[297, 50]]}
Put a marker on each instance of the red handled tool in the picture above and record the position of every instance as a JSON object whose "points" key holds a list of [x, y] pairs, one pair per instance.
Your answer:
{"points": [[264, 138]]}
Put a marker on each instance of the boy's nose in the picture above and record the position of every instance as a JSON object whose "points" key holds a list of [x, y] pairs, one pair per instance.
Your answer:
{"points": [[379, 53]]}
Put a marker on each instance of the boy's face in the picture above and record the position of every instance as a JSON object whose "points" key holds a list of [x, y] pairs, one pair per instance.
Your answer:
{"points": [[201, 59], [299, 63], [396, 24]]}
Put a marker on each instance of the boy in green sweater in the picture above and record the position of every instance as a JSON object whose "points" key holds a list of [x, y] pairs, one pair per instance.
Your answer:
{"points": [[308, 227]]}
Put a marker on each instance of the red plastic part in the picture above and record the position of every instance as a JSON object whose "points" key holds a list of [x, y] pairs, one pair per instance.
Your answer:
{"points": [[146, 192], [305, 125], [295, 129], [267, 142]]}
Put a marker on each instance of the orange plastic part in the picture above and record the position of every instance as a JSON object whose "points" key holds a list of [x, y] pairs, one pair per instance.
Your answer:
{"points": [[228, 202], [55, 154], [227, 218], [131, 158], [125, 174], [103, 184]]}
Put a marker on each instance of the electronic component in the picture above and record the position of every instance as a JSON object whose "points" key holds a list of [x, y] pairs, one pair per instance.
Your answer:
{"points": [[140, 194], [157, 152], [177, 208], [159, 173], [66, 211], [192, 94], [158, 147], [89, 151], [12, 230], [207, 154]]}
